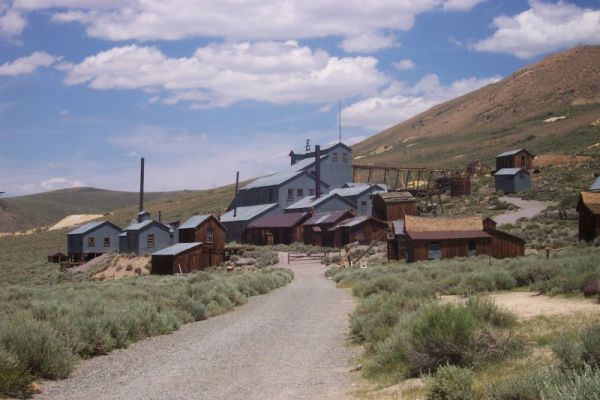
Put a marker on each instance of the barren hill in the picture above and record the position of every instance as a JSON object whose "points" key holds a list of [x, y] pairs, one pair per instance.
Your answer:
{"points": [[549, 106]]}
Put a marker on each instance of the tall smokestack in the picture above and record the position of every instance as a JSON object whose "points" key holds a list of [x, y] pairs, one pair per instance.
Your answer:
{"points": [[142, 185], [317, 171], [235, 199]]}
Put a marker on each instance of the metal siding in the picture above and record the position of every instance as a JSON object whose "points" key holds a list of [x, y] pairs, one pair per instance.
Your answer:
{"points": [[302, 182], [99, 234], [162, 239]]}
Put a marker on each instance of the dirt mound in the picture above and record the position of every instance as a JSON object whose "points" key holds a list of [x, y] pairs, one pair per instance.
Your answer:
{"points": [[124, 266], [546, 160]]}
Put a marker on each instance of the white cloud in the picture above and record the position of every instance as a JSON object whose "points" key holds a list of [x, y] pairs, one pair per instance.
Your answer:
{"points": [[60, 182], [28, 64], [242, 20], [367, 43], [400, 102], [404, 64], [543, 28], [12, 22], [222, 74]]}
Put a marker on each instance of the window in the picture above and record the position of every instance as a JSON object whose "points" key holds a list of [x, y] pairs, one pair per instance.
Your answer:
{"points": [[363, 207], [311, 192], [106, 242], [150, 239], [472, 248], [335, 157], [435, 251], [300, 193], [290, 195], [345, 157], [91, 242], [209, 235]]}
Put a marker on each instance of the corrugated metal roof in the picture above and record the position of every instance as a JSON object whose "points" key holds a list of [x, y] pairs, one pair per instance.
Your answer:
{"points": [[194, 221], [397, 197], [86, 228], [357, 190], [510, 153], [354, 221], [247, 213], [303, 164], [398, 227], [595, 187], [273, 180], [508, 171], [447, 235], [136, 226], [288, 220], [324, 149], [176, 249], [310, 201], [328, 217]]}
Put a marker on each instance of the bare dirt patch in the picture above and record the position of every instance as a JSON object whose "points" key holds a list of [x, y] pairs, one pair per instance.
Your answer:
{"points": [[125, 266], [528, 305], [75, 219], [546, 160]]}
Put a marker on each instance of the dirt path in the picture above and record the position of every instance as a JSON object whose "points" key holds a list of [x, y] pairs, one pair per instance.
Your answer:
{"points": [[527, 209], [530, 304], [288, 344]]}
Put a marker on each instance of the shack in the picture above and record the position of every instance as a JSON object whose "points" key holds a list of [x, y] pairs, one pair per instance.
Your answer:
{"points": [[237, 219], [276, 229], [393, 206], [209, 231], [588, 208], [504, 245], [443, 238], [512, 180], [361, 229], [519, 158], [316, 228], [396, 241], [181, 258], [92, 240]]}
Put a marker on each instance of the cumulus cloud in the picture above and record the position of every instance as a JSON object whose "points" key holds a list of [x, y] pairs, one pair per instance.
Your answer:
{"points": [[222, 74], [12, 22], [544, 27], [262, 20], [400, 102], [28, 64], [404, 64], [61, 182]]}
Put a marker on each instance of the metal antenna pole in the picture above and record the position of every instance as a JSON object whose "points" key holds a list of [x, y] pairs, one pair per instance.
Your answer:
{"points": [[340, 120]]}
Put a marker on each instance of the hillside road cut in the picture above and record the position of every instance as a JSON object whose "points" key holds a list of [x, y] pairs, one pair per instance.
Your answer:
{"points": [[288, 344]]}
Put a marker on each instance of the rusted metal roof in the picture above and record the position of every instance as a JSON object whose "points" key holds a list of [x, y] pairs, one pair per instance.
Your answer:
{"points": [[287, 220], [422, 224], [328, 217], [447, 235], [356, 221]]}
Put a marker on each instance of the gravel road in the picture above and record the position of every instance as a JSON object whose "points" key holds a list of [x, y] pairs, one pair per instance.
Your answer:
{"points": [[527, 209], [288, 344]]}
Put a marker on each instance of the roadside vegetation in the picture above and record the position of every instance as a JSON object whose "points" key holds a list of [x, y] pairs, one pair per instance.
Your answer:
{"points": [[433, 320]]}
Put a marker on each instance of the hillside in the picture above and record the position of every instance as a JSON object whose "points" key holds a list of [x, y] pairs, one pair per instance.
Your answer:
{"points": [[42, 209], [517, 111]]}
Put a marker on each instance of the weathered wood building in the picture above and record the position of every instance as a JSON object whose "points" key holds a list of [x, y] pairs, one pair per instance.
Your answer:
{"points": [[361, 229], [512, 180], [456, 186], [276, 229], [209, 231], [393, 206], [504, 245], [396, 241], [237, 219], [91, 240], [316, 228], [519, 158], [588, 208], [181, 258], [443, 238]]}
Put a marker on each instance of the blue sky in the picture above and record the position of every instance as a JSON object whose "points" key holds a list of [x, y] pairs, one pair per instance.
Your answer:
{"points": [[205, 88]]}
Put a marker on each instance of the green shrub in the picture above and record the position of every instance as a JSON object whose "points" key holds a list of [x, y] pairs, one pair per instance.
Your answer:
{"points": [[487, 311], [451, 383], [529, 384], [575, 353], [14, 379], [584, 385]]}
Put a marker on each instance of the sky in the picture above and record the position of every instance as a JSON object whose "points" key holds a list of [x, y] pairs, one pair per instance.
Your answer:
{"points": [[204, 88]]}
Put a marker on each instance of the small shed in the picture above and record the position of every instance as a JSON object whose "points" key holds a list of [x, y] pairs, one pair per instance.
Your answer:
{"points": [[209, 231], [57, 258], [456, 185], [237, 219], [276, 229], [518, 158], [361, 229], [512, 180], [443, 238], [396, 241], [180, 258], [504, 245], [92, 240], [316, 228], [392, 206], [327, 202], [588, 208]]}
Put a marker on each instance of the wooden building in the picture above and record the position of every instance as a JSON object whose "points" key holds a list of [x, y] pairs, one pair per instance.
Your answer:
{"points": [[316, 228], [361, 229], [393, 206], [396, 241], [504, 245], [271, 229], [182, 258], [588, 208], [519, 158], [237, 219], [512, 180], [443, 238], [92, 240], [456, 185], [209, 231]]}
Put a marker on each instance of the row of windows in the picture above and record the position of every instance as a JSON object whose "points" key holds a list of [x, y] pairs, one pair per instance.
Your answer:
{"points": [[92, 242], [435, 250], [299, 193], [335, 157], [149, 240]]}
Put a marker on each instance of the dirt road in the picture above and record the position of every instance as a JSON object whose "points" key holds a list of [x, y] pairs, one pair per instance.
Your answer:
{"points": [[288, 344], [527, 209]]}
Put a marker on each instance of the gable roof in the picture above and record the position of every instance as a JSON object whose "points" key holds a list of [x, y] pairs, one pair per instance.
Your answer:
{"points": [[595, 187], [197, 220], [512, 153], [90, 226], [324, 149], [311, 202], [327, 217], [139, 226], [509, 171], [304, 164], [358, 190], [288, 220], [591, 200], [279, 179], [176, 249], [248, 213], [356, 221], [397, 197]]}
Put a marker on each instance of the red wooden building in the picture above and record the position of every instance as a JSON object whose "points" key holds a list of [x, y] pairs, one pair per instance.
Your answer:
{"points": [[316, 228], [392, 206], [504, 245], [588, 208], [205, 229], [519, 158], [285, 228], [180, 258], [361, 229]]}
